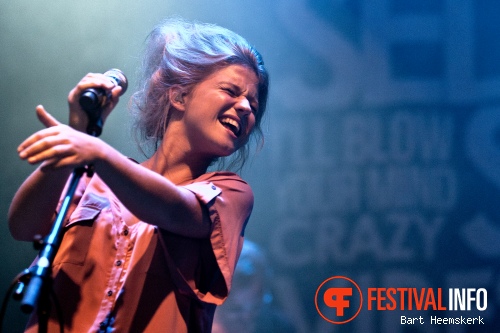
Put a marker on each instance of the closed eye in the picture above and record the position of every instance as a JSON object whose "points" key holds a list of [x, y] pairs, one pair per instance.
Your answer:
{"points": [[231, 92], [236, 92], [254, 104]]}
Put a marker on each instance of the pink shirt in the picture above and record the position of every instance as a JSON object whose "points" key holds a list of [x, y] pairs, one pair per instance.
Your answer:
{"points": [[114, 277]]}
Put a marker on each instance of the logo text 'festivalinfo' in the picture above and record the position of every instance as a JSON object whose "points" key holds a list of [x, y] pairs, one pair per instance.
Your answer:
{"points": [[463, 299], [339, 300]]}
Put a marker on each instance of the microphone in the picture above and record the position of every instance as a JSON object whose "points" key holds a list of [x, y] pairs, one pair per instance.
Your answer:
{"points": [[93, 100]]}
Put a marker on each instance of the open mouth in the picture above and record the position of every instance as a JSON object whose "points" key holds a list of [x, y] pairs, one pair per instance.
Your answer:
{"points": [[232, 125]]}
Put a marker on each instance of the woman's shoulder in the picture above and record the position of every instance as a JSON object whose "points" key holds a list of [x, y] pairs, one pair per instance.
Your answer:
{"points": [[225, 181], [220, 176]]}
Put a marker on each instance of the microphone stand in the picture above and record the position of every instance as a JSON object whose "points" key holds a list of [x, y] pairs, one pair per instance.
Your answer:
{"points": [[35, 282]]}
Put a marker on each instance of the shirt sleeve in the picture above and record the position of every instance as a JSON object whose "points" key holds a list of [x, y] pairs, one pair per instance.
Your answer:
{"points": [[229, 201]]}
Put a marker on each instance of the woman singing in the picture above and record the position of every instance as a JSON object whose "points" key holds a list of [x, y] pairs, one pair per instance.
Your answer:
{"points": [[151, 246]]}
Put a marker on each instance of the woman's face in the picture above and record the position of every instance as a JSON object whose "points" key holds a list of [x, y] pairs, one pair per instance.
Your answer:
{"points": [[220, 111]]}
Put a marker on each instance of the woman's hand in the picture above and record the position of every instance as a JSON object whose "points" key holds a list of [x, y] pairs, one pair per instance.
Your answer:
{"points": [[58, 145], [78, 119]]}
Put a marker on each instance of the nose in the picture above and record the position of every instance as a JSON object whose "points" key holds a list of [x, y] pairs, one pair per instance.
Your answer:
{"points": [[243, 105]]}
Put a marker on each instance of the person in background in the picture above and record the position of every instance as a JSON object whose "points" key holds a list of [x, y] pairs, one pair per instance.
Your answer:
{"points": [[151, 246], [251, 308]]}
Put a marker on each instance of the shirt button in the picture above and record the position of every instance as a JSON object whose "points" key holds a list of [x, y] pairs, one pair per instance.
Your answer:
{"points": [[118, 263], [125, 232], [213, 187], [110, 292]]}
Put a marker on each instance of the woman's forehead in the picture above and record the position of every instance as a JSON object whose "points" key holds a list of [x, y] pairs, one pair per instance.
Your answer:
{"points": [[237, 73]]}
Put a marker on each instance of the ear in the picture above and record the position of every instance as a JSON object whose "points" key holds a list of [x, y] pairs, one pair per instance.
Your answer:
{"points": [[177, 96]]}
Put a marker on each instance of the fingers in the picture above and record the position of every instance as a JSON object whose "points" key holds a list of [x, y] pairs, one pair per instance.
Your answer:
{"points": [[57, 163], [60, 146], [116, 92], [94, 80], [46, 118], [54, 147], [78, 119], [51, 156], [48, 121], [31, 148], [112, 102]]}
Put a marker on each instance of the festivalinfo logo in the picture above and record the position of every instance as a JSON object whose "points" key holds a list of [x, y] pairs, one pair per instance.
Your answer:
{"points": [[339, 300]]}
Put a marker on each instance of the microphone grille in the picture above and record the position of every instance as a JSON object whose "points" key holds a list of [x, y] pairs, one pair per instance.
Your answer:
{"points": [[118, 77]]}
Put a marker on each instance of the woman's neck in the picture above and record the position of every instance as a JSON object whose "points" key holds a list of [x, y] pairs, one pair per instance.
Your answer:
{"points": [[178, 170], [175, 159]]}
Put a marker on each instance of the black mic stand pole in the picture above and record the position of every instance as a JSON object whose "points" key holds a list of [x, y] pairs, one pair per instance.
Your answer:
{"points": [[35, 282]]}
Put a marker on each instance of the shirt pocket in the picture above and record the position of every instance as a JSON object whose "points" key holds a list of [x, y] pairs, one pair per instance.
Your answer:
{"points": [[77, 235]]}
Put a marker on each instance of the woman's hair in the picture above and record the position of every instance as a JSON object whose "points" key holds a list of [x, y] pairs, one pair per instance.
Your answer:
{"points": [[181, 53]]}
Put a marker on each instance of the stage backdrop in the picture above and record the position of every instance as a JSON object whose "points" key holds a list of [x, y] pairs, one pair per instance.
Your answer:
{"points": [[382, 155]]}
